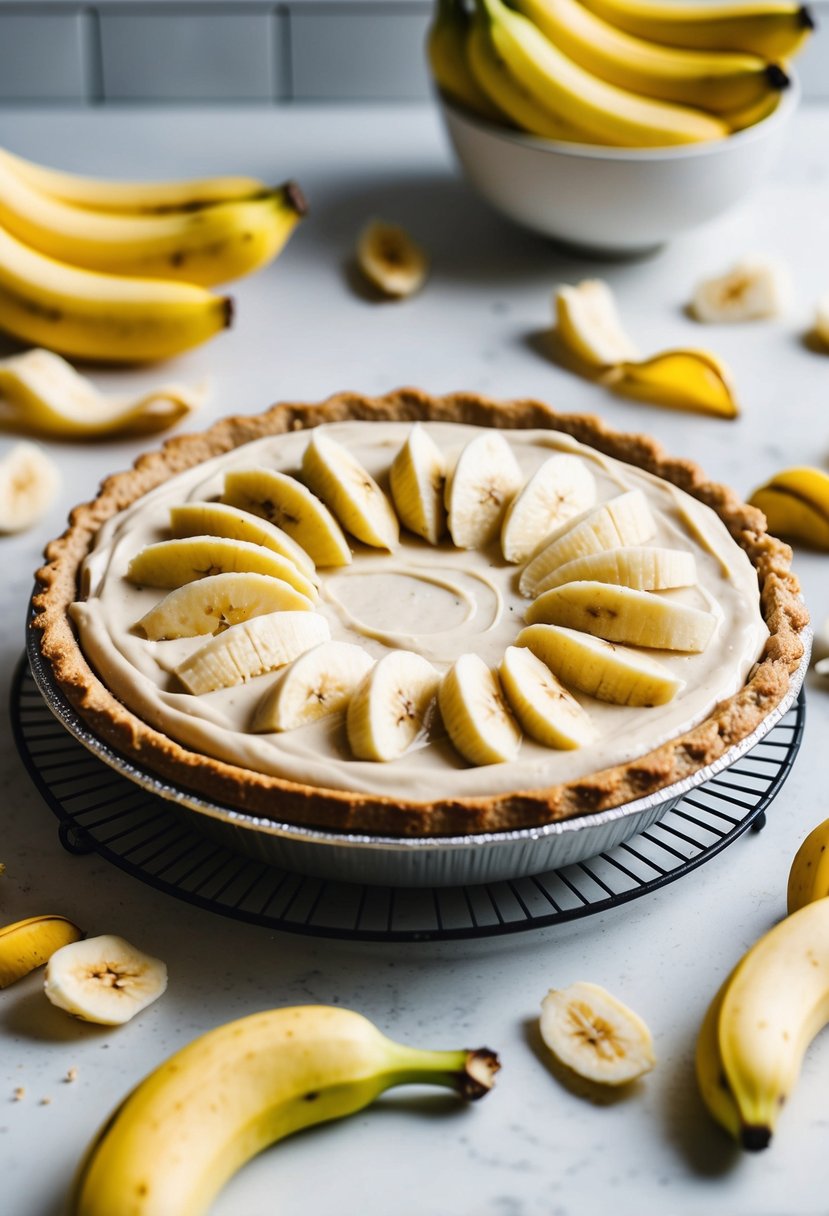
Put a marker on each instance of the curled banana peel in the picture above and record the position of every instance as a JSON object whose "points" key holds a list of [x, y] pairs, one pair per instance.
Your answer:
{"points": [[589, 334], [754, 1036], [809, 873], [41, 394], [191, 1124], [28, 944], [795, 503], [680, 379]]}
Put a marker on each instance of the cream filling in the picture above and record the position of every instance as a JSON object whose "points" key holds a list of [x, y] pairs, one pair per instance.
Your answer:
{"points": [[439, 601]]}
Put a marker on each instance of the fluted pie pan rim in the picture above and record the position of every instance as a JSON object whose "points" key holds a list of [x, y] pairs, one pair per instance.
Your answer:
{"points": [[280, 800]]}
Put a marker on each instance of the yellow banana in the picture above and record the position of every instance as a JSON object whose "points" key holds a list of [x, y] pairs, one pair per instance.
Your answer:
{"points": [[30, 943], [712, 80], [795, 503], [132, 198], [509, 94], [772, 1006], [207, 246], [711, 1080], [749, 116], [774, 29], [181, 1134], [809, 875], [446, 51], [565, 90], [101, 316]]}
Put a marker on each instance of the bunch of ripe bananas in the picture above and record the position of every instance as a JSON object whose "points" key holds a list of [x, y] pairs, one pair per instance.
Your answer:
{"points": [[630, 73], [119, 271]]}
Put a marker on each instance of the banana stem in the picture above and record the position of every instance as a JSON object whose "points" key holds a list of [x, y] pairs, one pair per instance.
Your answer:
{"points": [[469, 1073]]}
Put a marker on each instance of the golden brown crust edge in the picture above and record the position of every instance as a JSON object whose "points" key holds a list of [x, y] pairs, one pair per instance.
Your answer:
{"points": [[274, 798]]}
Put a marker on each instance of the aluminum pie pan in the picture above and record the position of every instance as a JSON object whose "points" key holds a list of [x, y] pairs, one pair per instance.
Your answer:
{"points": [[415, 861]]}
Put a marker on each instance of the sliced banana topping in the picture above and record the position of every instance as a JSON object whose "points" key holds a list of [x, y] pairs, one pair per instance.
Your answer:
{"points": [[417, 477], [560, 489], [250, 649], [318, 683], [754, 288], [545, 709], [29, 482], [647, 569], [390, 708], [606, 671], [171, 563], [291, 506], [215, 603], [622, 614], [592, 1033], [588, 324], [624, 520], [30, 943], [390, 259], [349, 491], [479, 489], [222, 519], [475, 713], [104, 980]]}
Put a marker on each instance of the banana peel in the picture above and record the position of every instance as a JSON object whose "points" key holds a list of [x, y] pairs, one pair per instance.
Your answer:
{"points": [[679, 379], [589, 339], [795, 503], [28, 944], [41, 394]]}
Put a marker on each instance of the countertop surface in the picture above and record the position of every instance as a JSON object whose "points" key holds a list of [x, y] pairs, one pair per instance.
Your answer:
{"points": [[533, 1148]]}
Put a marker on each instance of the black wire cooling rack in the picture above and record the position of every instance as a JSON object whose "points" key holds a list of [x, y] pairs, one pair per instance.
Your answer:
{"points": [[101, 811]]}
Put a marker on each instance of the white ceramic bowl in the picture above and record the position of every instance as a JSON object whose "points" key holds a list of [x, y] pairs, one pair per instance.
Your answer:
{"points": [[616, 201]]}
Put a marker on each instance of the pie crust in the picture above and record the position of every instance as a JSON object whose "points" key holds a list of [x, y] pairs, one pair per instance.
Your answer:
{"points": [[733, 719]]}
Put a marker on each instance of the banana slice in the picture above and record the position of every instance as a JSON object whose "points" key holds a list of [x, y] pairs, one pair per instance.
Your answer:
{"points": [[605, 671], [417, 477], [43, 394], [318, 683], [545, 709], [390, 259], [221, 519], [595, 1035], [214, 603], [588, 324], [822, 320], [754, 288], [30, 943], [479, 489], [475, 714], [29, 482], [795, 503], [171, 563], [624, 520], [104, 980], [251, 648], [622, 614], [680, 379], [350, 492], [562, 488], [646, 569], [291, 506], [390, 708]]}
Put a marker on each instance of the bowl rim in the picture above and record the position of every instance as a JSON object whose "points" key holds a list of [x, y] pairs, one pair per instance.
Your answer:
{"points": [[783, 111]]}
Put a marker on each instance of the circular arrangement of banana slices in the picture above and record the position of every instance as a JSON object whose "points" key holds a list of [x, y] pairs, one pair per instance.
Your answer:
{"points": [[242, 573]]}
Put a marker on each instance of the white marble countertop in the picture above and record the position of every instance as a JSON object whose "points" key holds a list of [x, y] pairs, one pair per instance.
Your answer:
{"points": [[532, 1148]]}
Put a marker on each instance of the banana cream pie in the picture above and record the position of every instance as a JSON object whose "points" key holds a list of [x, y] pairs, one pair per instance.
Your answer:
{"points": [[419, 615]]}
